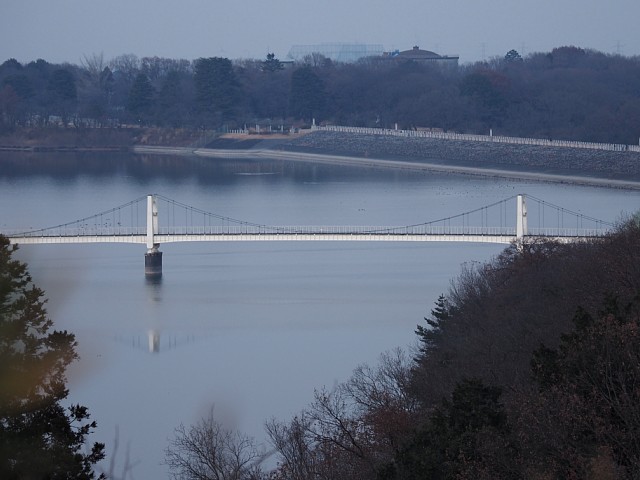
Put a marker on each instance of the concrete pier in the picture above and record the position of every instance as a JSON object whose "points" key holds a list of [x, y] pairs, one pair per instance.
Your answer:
{"points": [[153, 263]]}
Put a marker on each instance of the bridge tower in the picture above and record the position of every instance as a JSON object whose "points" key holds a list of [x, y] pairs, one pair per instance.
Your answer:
{"points": [[521, 219], [153, 257]]}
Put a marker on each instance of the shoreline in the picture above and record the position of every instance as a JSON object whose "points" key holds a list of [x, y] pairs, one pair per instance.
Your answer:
{"points": [[544, 164], [347, 160]]}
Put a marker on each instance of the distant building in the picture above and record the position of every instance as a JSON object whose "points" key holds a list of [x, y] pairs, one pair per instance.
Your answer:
{"points": [[417, 55], [352, 52], [337, 52]]}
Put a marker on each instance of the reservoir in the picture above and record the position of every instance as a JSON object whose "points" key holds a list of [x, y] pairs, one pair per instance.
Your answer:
{"points": [[250, 327]]}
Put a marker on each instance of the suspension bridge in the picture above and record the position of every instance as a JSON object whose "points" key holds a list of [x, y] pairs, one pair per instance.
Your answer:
{"points": [[152, 220]]}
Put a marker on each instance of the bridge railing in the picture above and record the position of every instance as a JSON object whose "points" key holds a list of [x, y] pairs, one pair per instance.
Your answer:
{"points": [[480, 138], [378, 230], [83, 231], [335, 230], [566, 232]]}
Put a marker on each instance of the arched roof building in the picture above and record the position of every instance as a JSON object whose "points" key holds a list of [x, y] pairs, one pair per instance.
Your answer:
{"points": [[417, 55]]}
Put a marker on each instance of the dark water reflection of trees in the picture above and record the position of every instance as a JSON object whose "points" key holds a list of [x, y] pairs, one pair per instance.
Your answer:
{"points": [[172, 169]]}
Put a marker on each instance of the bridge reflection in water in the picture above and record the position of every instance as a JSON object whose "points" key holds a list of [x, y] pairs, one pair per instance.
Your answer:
{"points": [[503, 222], [154, 342]]}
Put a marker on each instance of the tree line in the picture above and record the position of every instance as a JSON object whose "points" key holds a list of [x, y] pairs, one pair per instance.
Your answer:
{"points": [[568, 93]]}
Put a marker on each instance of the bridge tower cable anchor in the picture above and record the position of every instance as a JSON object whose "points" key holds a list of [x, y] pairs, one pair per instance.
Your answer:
{"points": [[153, 257]]}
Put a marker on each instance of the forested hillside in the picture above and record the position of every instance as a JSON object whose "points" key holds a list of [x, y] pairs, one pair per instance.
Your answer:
{"points": [[568, 93], [528, 367]]}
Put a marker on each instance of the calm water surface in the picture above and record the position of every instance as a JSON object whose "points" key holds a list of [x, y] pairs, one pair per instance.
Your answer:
{"points": [[252, 328]]}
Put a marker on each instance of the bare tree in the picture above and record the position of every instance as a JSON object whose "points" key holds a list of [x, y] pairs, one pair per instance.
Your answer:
{"points": [[384, 385], [351, 431], [316, 59], [298, 458], [127, 66], [381, 399], [94, 65], [209, 451], [344, 440]]}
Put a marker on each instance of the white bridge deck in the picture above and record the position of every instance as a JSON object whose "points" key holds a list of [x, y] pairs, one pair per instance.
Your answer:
{"points": [[314, 234]]}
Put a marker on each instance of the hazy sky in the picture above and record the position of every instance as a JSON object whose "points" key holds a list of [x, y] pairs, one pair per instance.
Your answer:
{"points": [[66, 30]]}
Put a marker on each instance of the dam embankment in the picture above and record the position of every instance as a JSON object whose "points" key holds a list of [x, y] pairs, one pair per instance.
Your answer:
{"points": [[531, 162]]}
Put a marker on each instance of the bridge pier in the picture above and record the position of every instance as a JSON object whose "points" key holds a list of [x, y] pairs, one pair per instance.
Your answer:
{"points": [[153, 263]]}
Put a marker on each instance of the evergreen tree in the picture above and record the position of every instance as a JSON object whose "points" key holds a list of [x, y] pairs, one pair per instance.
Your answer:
{"points": [[171, 101], [428, 335], [140, 96], [271, 64], [62, 84], [217, 88], [513, 56], [307, 98], [449, 445], [62, 93], [39, 438], [20, 84]]}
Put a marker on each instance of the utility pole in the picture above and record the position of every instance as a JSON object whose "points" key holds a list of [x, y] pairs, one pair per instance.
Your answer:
{"points": [[523, 47]]}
